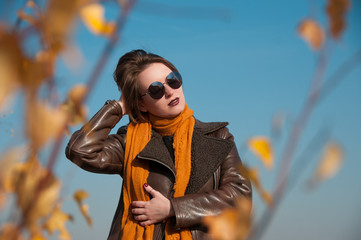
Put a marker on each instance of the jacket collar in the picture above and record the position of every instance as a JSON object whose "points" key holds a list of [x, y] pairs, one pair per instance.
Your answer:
{"points": [[208, 127], [207, 153]]}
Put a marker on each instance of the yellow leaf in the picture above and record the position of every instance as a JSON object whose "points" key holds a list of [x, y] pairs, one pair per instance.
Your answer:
{"points": [[8, 78], [31, 4], [37, 237], [46, 59], [36, 192], [93, 17], [77, 93], [10, 64], [73, 106], [59, 19], [16, 69], [330, 163], [10, 167], [10, 232], [56, 222], [43, 123], [231, 224], [336, 11], [79, 196], [312, 33], [261, 147], [253, 176], [37, 72], [224, 226]]}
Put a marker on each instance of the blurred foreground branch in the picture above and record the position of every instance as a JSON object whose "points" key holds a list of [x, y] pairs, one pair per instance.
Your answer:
{"points": [[36, 189]]}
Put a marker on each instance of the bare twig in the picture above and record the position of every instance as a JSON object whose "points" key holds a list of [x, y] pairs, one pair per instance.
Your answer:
{"points": [[340, 74], [94, 76], [318, 93], [291, 146]]}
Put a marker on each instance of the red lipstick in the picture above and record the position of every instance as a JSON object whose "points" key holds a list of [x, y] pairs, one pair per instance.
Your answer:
{"points": [[174, 102]]}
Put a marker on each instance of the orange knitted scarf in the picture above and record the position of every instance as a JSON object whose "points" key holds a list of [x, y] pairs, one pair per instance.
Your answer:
{"points": [[135, 175]]}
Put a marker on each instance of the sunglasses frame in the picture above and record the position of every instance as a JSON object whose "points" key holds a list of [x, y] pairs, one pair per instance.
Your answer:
{"points": [[171, 76]]}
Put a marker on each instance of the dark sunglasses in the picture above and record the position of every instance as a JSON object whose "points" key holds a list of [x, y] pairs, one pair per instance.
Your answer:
{"points": [[156, 90]]}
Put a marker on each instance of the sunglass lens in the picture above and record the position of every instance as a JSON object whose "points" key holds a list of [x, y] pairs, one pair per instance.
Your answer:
{"points": [[156, 90], [174, 83], [174, 80]]}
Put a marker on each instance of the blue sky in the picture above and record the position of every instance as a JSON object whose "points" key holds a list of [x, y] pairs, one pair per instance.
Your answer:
{"points": [[242, 62]]}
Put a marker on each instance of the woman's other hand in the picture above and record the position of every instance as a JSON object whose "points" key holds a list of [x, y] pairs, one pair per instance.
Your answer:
{"points": [[122, 105], [156, 210]]}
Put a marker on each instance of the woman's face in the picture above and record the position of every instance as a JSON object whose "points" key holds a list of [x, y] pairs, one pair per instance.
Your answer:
{"points": [[171, 104]]}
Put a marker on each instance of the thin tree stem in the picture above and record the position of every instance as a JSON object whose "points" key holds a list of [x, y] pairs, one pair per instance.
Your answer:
{"points": [[94, 76]]}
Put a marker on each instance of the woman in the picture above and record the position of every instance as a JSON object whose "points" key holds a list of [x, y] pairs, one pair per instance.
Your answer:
{"points": [[175, 168]]}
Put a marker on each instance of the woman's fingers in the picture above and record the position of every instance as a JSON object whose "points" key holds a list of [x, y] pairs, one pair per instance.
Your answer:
{"points": [[141, 217], [155, 210], [150, 190], [138, 204], [146, 223], [138, 211]]}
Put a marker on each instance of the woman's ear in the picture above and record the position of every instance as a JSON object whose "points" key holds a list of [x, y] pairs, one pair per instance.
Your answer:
{"points": [[141, 106]]}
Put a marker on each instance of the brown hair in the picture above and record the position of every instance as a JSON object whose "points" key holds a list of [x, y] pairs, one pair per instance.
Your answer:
{"points": [[130, 65]]}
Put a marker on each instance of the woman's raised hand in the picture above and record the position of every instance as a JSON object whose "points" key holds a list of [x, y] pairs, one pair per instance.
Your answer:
{"points": [[122, 105], [156, 210]]}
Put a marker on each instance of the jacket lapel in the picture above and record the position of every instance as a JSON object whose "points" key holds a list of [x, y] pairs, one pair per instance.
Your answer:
{"points": [[207, 153], [156, 151]]}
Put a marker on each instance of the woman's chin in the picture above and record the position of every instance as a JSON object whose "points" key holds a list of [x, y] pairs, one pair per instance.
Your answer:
{"points": [[175, 111]]}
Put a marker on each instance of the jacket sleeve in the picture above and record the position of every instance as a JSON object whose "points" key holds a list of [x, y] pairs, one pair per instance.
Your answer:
{"points": [[93, 149], [191, 208]]}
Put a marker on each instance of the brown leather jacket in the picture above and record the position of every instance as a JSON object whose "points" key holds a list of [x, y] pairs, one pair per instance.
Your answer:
{"points": [[214, 182]]}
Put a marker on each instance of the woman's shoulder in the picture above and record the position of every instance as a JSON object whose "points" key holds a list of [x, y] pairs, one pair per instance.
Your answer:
{"points": [[208, 127]]}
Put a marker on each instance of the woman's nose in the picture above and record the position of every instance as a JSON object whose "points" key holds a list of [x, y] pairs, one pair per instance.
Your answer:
{"points": [[168, 91]]}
